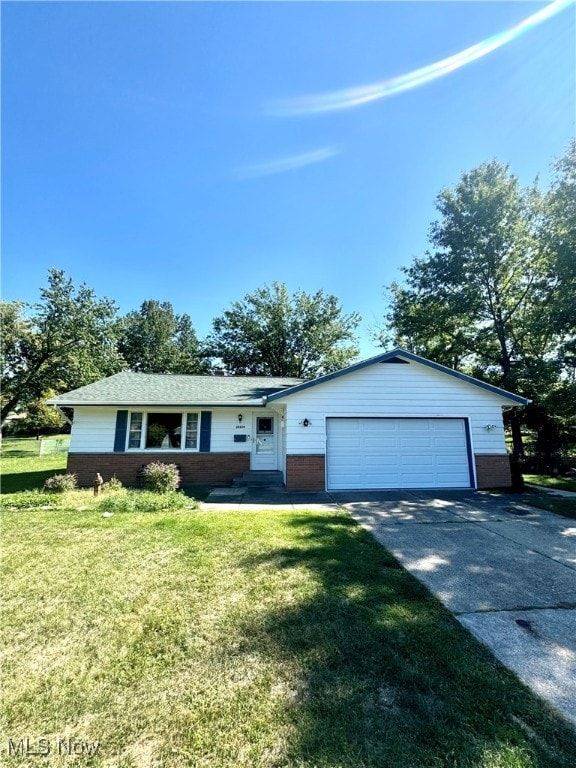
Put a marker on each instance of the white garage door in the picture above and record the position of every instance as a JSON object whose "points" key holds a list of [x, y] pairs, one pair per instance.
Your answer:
{"points": [[397, 453]]}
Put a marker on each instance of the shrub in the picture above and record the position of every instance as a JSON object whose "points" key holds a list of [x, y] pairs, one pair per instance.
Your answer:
{"points": [[114, 484], [60, 483], [145, 501], [161, 478], [27, 500]]}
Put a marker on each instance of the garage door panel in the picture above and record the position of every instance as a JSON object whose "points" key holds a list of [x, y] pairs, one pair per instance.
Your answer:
{"points": [[455, 443], [417, 461], [388, 459], [447, 460], [344, 461], [383, 443], [416, 442], [397, 453]]}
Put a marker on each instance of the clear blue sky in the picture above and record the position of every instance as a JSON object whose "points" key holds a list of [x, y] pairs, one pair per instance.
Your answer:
{"points": [[168, 150]]}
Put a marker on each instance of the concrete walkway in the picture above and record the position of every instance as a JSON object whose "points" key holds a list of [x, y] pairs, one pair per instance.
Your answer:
{"points": [[506, 570], [552, 491]]}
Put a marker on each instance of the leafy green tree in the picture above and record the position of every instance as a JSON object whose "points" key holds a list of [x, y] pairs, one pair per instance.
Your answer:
{"points": [[154, 339], [273, 333], [42, 418], [558, 236], [487, 297], [62, 342], [554, 413]]}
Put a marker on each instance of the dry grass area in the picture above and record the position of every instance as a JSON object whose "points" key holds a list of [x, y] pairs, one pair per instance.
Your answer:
{"points": [[181, 639]]}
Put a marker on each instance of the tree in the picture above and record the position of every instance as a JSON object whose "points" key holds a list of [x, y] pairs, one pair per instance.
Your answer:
{"points": [[554, 413], [558, 236], [62, 342], [270, 333], [41, 417], [487, 297], [154, 339]]}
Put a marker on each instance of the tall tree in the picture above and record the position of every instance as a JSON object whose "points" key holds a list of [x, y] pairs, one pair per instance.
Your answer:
{"points": [[554, 412], [273, 333], [62, 342], [558, 236], [154, 339], [485, 298]]}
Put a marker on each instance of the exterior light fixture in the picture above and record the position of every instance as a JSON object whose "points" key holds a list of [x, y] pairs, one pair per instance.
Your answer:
{"points": [[240, 417], [305, 423], [489, 427]]}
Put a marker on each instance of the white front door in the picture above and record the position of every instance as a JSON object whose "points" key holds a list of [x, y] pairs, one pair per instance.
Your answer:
{"points": [[264, 443]]}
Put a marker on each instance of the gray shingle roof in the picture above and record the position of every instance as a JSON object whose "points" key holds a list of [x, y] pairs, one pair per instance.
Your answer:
{"points": [[129, 388]]}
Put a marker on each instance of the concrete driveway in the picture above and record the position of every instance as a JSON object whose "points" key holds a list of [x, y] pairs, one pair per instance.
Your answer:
{"points": [[506, 570]]}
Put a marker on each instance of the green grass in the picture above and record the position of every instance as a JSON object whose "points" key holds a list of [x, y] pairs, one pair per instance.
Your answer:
{"points": [[560, 506], [558, 483], [23, 468], [245, 640]]}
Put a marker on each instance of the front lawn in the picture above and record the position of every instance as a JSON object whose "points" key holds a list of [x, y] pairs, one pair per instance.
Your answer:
{"points": [[188, 639], [554, 483], [22, 466]]}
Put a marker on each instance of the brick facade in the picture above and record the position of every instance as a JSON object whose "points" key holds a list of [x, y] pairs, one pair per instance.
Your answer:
{"points": [[195, 468], [493, 471], [305, 473]]}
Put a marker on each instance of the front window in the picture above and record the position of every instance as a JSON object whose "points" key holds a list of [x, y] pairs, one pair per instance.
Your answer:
{"points": [[163, 431], [191, 430], [135, 433]]}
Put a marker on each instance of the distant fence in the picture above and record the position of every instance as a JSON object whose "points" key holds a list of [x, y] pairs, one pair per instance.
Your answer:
{"points": [[53, 445]]}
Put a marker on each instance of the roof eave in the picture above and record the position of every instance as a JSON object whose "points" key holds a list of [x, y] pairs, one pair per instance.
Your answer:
{"points": [[134, 404]]}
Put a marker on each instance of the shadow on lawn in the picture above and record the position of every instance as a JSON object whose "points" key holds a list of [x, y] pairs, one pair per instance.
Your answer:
{"points": [[387, 676], [25, 481]]}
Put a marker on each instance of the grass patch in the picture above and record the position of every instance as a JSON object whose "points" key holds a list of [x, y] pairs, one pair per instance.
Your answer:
{"points": [[245, 640], [560, 506], [558, 483], [22, 466]]}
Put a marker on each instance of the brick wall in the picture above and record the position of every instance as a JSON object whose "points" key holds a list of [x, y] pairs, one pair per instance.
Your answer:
{"points": [[195, 468], [493, 471], [305, 473]]}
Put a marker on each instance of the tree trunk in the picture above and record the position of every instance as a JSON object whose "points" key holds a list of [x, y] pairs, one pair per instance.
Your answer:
{"points": [[517, 441]]}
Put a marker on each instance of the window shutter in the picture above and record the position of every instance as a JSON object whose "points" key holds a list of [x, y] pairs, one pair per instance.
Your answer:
{"points": [[205, 431], [120, 434]]}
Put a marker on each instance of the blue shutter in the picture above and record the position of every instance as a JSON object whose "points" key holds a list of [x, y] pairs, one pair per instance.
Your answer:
{"points": [[120, 435], [205, 431]]}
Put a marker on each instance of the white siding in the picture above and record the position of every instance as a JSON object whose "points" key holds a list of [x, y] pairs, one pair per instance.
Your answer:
{"points": [[94, 428], [388, 389], [225, 425]]}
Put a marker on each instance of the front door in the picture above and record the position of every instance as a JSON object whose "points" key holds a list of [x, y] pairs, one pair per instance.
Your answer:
{"points": [[264, 442]]}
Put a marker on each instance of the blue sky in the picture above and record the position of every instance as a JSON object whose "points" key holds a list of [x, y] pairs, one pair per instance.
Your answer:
{"points": [[171, 150]]}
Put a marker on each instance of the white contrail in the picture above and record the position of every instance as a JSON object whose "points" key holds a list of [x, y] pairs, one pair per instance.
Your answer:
{"points": [[284, 164], [354, 97]]}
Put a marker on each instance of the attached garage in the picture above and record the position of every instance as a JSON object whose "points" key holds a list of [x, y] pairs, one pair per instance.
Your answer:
{"points": [[396, 420], [363, 453]]}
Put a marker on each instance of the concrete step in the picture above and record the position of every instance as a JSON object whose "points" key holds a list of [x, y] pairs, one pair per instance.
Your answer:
{"points": [[254, 478]]}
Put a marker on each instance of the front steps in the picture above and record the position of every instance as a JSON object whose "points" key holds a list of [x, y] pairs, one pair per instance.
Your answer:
{"points": [[258, 478]]}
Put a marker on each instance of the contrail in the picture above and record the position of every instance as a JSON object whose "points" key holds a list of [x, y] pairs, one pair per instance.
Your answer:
{"points": [[283, 164], [355, 97]]}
